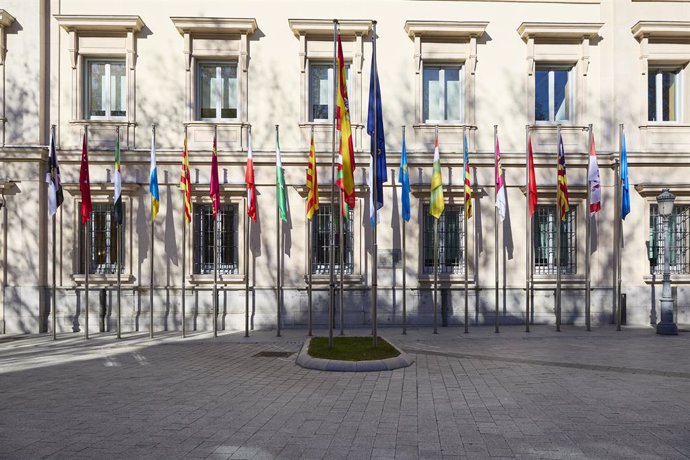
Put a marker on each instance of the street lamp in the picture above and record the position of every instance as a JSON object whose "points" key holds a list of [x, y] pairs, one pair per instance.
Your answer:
{"points": [[666, 326]]}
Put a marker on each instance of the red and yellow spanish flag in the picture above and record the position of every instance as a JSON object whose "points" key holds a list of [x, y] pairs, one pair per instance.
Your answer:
{"points": [[186, 183], [312, 182], [347, 151]]}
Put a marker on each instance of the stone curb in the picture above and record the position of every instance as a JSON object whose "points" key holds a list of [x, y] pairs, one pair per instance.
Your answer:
{"points": [[334, 365]]}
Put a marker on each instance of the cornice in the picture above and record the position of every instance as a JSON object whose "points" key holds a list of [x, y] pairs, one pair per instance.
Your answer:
{"points": [[648, 189], [99, 23], [6, 19], [661, 29], [445, 28], [559, 30], [188, 24], [324, 27]]}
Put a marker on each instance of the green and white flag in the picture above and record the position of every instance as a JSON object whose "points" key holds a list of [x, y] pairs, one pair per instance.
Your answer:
{"points": [[117, 181], [280, 183]]}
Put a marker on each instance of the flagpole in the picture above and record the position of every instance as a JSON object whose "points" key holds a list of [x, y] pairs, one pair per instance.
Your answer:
{"points": [[528, 218], [464, 230], [436, 258], [496, 248], [331, 258], [247, 223], [86, 254], [588, 237], [619, 225], [404, 267], [153, 133], [309, 266], [616, 230], [184, 243], [279, 289], [215, 247], [558, 239], [119, 255], [52, 137], [374, 262], [341, 250]]}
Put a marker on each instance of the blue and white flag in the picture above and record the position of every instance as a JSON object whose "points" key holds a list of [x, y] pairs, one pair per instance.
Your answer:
{"points": [[625, 196]]}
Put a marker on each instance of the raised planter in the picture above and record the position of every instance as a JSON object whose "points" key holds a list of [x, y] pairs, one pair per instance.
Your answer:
{"points": [[334, 365]]}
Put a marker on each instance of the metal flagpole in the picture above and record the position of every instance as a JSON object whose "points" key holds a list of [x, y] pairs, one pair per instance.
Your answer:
{"points": [[528, 221], [54, 306], [119, 260], [247, 223], [616, 230], [436, 261], [588, 237], [331, 227], [279, 274], [184, 245], [341, 251], [309, 264], [153, 131], [87, 235], [619, 226], [374, 173], [215, 251], [557, 225], [404, 267], [464, 231], [496, 248]]}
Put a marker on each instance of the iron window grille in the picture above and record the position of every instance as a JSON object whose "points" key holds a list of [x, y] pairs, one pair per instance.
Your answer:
{"points": [[545, 222], [321, 241], [451, 241], [102, 234], [678, 241], [227, 249]]}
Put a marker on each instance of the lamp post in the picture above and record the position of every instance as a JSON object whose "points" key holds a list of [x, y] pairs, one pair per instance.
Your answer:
{"points": [[666, 326]]}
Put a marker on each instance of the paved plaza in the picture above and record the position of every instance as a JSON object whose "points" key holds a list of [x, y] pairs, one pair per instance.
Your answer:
{"points": [[573, 394]]}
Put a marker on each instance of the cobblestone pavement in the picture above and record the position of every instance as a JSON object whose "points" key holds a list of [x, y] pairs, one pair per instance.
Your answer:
{"points": [[603, 394]]}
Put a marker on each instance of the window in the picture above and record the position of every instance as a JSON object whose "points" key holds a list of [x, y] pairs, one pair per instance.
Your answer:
{"points": [[678, 239], [106, 93], [102, 234], [545, 223], [227, 239], [553, 94], [451, 251], [321, 91], [321, 241], [663, 94], [218, 91], [443, 96]]}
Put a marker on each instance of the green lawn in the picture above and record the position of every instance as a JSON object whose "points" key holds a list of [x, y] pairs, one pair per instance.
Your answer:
{"points": [[351, 349]]}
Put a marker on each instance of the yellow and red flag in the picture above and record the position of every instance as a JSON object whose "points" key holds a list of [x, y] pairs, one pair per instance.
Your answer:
{"points": [[186, 183], [312, 182], [562, 192], [249, 180], [346, 181]]}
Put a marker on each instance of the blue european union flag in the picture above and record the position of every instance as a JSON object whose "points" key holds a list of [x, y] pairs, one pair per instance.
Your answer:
{"points": [[378, 144], [405, 182], [625, 199]]}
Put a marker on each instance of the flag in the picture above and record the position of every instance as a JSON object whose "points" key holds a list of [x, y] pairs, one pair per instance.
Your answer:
{"points": [[249, 179], [562, 191], [55, 195], [532, 186], [117, 182], [347, 151], [214, 186], [625, 198], [378, 143], [594, 179], [500, 184], [466, 178], [405, 183], [280, 184], [85, 184], [186, 183], [312, 182], [436, 200], [153, 181]]}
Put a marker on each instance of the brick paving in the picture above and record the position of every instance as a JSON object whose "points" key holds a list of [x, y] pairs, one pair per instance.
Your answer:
{"points": [[603, 394]]}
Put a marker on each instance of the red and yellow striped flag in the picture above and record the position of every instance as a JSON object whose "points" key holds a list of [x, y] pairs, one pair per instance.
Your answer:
{"points": [[186, 183], [347, 151], [562, 192], [312, 182]]}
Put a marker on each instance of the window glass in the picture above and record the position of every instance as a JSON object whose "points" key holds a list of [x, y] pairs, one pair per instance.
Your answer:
{"points": [[118, 90], [227, 248], [218, 92], [450, 240], [320, 92], [561, 90], [545, 224], [668, 95], [106, 95], [321, 241], [662, 94], [433, 95], [102, 234], [229, 107], [651, 96], [442, 99], [552, 94], [452, 93], [679, 236], [97, 95], [541, 99]]}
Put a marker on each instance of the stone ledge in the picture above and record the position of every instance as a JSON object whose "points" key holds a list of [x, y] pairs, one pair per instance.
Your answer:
{"points": [[334, 365]]}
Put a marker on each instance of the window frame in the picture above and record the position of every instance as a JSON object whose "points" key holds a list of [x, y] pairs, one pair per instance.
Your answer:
{"points": [[658, 70], [570, 267], [200, 266], [219, 103], [656, 245], [572, 77], [108, 90], [322, 268], [443, 268], [108, 268], [442, 67]]}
